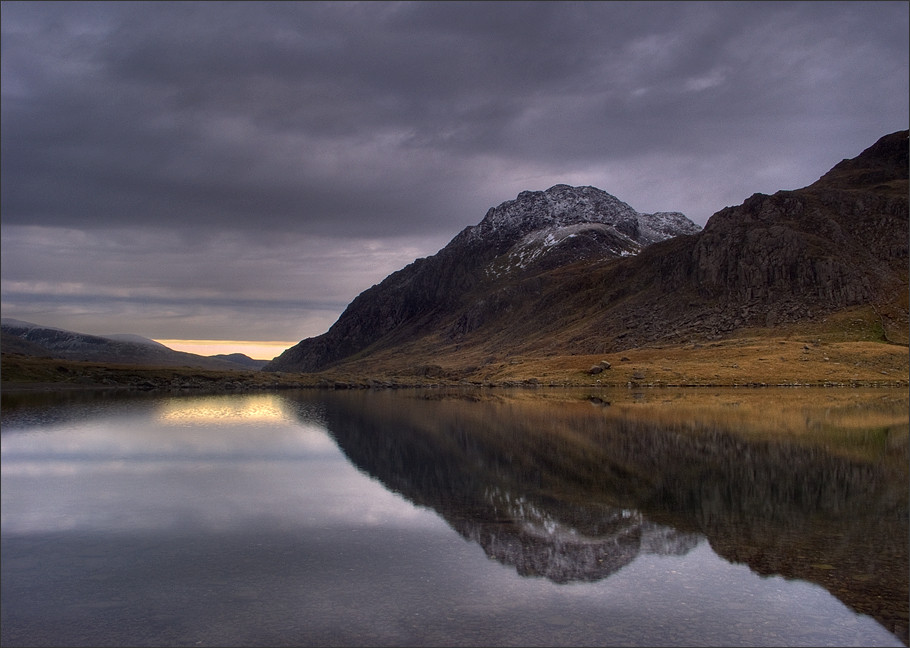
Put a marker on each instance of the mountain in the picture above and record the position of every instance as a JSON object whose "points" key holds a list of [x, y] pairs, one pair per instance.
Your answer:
{"points": [[31, 339], [138, 339], [573, 270], [240, 359], [472, 279]]}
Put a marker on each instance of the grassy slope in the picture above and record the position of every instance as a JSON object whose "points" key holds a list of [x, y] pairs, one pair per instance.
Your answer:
{"points": [[847, 349], [734, 362]]}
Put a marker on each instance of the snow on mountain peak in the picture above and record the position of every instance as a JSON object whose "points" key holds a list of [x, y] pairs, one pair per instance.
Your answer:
{"points": [[558, 206], [660, 226], [562, 205], [15, 323]]}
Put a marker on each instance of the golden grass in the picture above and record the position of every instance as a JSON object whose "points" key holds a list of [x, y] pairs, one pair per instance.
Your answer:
{"points": [[19, 372], [832, 417], [788, 360], [757, 361]]}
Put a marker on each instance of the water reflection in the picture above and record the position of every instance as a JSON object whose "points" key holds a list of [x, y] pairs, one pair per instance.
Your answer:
{"points": [[320, 517], [185, 464], [252, 410], [571, 492]]}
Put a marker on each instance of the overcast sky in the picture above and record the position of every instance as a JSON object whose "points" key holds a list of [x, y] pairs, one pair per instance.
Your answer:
{"points": [[242, 171]]}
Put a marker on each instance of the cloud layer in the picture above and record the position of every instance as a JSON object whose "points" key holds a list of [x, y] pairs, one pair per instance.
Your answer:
{"points": [[242, 170]]}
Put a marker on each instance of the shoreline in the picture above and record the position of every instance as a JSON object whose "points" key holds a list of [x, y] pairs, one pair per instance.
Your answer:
{"points": [[741, 363]]}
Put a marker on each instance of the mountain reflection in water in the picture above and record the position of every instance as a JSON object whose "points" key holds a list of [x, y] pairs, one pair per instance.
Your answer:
{"points": [[573, 490]]}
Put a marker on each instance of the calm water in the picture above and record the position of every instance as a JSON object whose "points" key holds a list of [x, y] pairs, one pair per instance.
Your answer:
{"points": [[655, 518]]}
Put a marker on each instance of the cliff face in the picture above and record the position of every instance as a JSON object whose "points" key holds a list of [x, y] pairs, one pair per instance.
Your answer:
{"points": [[839, 243], [832, 241], [574, 270]]}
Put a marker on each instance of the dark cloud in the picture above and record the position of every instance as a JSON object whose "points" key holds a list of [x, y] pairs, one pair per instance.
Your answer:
{"points": [[282, 121]]}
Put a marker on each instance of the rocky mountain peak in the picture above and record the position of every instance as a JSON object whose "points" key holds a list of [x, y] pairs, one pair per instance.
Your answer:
{"points": [[564, 224], [661, 226], [537, 232], [563, 206], [559, 206], [881, 164]]}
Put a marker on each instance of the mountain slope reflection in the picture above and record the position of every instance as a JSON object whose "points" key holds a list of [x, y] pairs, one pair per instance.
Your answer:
{"points": [[562, 489], [561, 553]]}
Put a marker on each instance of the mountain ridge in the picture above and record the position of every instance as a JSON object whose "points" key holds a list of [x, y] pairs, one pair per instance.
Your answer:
{"points": [[775, 260], [536, 232]]}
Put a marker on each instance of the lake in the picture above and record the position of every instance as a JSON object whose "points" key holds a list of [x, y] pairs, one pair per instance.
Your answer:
{"points": [[476, 517]]}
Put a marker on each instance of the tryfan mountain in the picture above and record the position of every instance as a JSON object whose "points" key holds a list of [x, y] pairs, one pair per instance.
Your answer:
{"points": [[574, 270]]}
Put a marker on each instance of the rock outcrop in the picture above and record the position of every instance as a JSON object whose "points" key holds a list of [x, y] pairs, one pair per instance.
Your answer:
{"points": [[841, 242]]}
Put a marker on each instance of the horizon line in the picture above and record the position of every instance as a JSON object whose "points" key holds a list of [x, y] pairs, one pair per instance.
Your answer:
{"points": [[255, 349]]}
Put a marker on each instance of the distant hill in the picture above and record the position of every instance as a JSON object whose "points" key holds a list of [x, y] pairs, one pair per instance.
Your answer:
{"points": [[30, 339], [573, 270], [138, 339], [241, 359]]}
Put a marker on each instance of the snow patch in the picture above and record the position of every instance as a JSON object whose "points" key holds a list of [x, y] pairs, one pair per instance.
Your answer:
{"points": [[14, 323], [538, 221]]}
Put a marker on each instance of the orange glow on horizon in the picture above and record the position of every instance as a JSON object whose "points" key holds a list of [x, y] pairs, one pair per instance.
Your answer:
{"points": [[256, 349]]}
